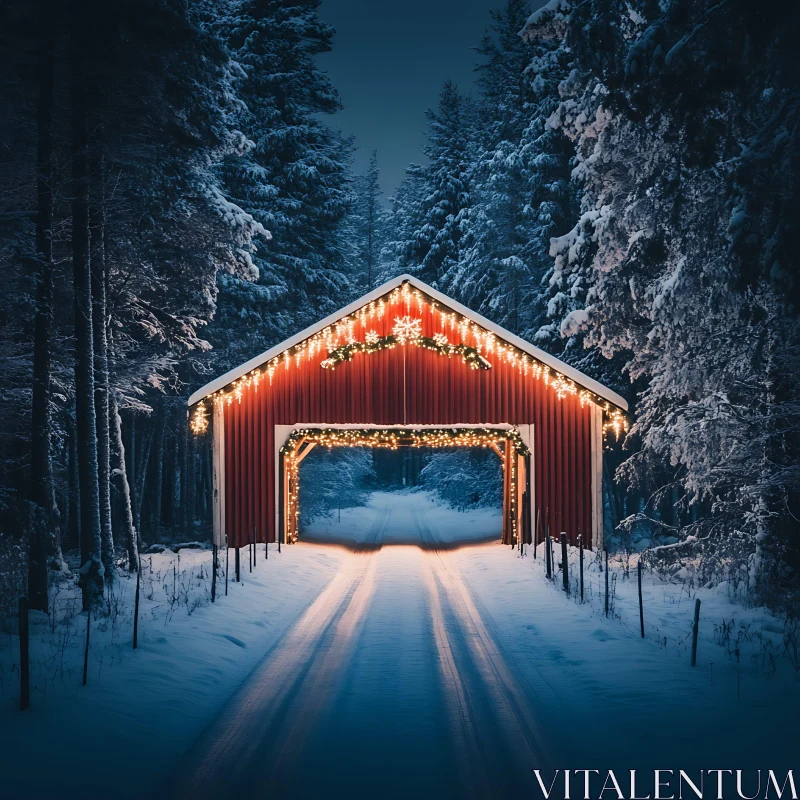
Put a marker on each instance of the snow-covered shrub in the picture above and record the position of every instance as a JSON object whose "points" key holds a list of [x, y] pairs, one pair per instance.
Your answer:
{"points": [[465, 478], [334, 479]]}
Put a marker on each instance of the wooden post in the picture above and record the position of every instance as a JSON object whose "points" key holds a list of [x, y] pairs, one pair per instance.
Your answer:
{"points": [[227, 561], [552, 558], [136, 602], [213, 573], [238, 566], [548, 565], [606, 553], [536, 533], [281, 499], [641, 607], [86, 651], [695, 628], [507, 494], [528, 500], [24, 656], [564, 562], [218, 474], [580, 546], [250, 556]]}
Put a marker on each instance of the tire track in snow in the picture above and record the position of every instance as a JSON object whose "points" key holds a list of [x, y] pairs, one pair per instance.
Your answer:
{"points": [[489, 684], [246, 733], [319, 685], [463, 722]]}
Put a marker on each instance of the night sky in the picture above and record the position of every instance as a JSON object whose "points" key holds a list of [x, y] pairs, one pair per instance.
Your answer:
{"points": [[389, 62]]}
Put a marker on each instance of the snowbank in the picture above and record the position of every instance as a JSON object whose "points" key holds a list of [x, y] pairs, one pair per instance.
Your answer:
{"points": [[142, 709]]}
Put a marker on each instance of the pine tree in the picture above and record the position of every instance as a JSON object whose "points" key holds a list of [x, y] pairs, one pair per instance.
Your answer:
{"points": [[674, 265], [406, 214], [369, 224], [437, 246], [291, 174]]}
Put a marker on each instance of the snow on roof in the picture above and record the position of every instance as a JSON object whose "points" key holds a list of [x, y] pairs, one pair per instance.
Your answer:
{"points": [[540, 355]]}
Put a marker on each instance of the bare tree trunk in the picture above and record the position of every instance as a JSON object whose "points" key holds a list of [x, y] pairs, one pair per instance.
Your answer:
{"points": [[610, 489], [101, 385], [91, 546], [41, 464], [158, 482], [184, 455], [141, 475], [129, 535], [73, 534], [175, 502], [191, 483]]}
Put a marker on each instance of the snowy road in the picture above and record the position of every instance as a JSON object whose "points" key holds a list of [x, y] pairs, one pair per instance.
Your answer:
{"points": [[391, 684]]}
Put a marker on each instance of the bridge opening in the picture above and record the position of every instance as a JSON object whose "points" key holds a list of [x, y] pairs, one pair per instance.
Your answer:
{"points": [[399, 476], [364, 498]]}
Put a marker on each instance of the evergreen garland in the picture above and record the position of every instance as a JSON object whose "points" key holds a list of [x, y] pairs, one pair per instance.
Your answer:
{"points": [[345, 352]]}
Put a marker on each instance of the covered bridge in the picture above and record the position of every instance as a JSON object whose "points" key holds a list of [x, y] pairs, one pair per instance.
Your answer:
{"points": [[407, 366]]}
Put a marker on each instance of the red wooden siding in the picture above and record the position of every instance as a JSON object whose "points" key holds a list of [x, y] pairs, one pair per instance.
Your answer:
{"points": [[371, 389]]}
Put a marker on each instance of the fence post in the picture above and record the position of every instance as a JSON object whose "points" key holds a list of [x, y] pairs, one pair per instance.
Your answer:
{"points": [[213, 573], [564, 562], [641, 607], [549, 566], [536, 533], [552, 557], [86, 651], [695, 626], [24, 656], [136, 603], [238, 565], [605, 550], [227, 561], [580, 546]]}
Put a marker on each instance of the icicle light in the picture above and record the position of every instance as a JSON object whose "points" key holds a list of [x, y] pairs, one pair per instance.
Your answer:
{"points": [[478, 348]]}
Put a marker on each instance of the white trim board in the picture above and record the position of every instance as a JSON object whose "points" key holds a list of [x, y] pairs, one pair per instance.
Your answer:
{"points": [[540, 355]]}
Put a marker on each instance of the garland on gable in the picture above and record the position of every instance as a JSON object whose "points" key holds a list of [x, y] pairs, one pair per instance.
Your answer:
{"points": [[345, 352]]}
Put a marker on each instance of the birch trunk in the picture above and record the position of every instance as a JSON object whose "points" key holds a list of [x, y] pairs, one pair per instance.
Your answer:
{"points": [[91, 548], [120, 472], [101, 385], [41, 464]]}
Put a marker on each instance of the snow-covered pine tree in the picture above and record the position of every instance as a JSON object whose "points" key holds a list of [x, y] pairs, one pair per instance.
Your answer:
{"points": [[519, 176], [291, 174], [405, 217], [438, 241], [368, 221], [681, 116]]}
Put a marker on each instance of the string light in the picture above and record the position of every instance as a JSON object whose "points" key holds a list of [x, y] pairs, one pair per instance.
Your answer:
{"points": [[392, 438], [476, 347], [199, 421], [615, 421]]}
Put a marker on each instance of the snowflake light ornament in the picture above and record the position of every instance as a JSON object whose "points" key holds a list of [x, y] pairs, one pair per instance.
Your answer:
{"points": [[441, 339], [371, 337], [407, 329]]}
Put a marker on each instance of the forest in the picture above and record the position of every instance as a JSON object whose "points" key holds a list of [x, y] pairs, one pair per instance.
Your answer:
{"points": [[175, 198]]}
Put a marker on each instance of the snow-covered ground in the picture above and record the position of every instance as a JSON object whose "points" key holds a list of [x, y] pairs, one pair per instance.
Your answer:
{"points": [[389, 519], [142, 709], [394, 669]]}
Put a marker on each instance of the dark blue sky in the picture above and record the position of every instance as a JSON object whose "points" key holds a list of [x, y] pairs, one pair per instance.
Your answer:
{"points": [[389, 62]]}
